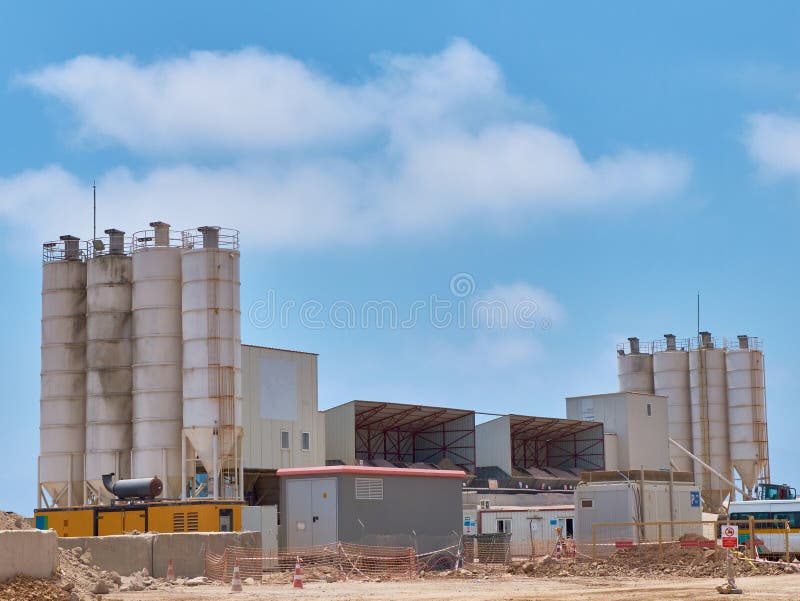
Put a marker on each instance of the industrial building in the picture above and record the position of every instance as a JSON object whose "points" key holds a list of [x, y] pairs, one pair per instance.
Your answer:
{"points": [[635, 427], [397, 435], [144, 374], [378, 506], [539, 448], [716, 406]]}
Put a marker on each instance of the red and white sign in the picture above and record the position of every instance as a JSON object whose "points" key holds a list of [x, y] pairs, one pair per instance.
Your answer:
{"points": [[730, 537]]}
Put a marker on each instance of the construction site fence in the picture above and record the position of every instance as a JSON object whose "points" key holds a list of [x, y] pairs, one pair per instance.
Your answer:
{"points": [[763, 537], [336, 560]]}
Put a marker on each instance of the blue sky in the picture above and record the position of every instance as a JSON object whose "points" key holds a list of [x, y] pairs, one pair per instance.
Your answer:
{"points": [[601, 163]]}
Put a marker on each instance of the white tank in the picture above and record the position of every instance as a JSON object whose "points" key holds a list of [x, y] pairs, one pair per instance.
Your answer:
{"points": [[212, 355], [635, 369], [157, 357], [747, 411], [63, 377], [671, 379], [710, 419], [108, 364]]}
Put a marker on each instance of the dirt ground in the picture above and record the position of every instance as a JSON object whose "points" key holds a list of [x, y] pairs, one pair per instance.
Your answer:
{"points": [[508, 588]]}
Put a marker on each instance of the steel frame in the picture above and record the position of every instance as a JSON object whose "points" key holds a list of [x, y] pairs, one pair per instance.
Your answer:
{"points": [[407, 433]]}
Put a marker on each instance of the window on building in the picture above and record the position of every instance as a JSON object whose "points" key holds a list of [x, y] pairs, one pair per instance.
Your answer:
{"points": [[649, 409], [503, 526], [305, 441], [284, 440], [587, 503]]}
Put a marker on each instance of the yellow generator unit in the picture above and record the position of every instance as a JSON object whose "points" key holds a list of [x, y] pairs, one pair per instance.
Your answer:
{"points": [[153, 516]]}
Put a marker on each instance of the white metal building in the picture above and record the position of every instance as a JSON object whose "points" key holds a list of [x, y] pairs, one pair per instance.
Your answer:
{"points": [[532, 529], [282, 425], [638, 422]]}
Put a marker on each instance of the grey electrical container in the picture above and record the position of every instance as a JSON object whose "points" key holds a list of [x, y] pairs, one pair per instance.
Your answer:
{"points": [[389, 507]]}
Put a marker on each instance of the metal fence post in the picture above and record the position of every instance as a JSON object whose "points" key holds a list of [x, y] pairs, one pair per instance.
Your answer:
{"points": [[751, 526], [594, 541], [786, 538], [660, 548]]}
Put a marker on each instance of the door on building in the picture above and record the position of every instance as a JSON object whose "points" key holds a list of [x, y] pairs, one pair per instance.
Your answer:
{"points": [[311, 512], [567, 527]]}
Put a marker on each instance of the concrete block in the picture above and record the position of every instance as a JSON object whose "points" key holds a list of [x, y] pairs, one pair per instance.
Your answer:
{"points": [[187, 550], [32, 553], [124, 554]]}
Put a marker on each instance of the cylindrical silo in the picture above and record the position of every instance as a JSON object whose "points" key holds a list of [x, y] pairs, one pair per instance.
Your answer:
{"points": [[671, 379], [747, 411], [157, 357], [63, 377], [212, 422], [708, 384], [635, 369], [108, 363]]}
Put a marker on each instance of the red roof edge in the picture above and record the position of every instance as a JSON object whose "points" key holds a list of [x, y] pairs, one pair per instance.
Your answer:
{"points": [[365, 470]]}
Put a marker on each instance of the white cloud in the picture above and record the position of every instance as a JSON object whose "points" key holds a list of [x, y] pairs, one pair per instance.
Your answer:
{"points": [[774, 143], [424, 144]]}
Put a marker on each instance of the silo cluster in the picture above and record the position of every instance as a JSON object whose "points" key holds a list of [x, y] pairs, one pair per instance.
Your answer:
{"points": [[141, 363], [716, 405]]}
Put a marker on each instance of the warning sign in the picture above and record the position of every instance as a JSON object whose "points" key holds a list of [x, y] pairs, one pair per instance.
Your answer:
{"points": [[730, 536]]}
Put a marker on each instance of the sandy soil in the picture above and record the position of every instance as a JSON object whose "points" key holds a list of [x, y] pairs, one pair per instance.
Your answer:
{"points": [[508, 588]]}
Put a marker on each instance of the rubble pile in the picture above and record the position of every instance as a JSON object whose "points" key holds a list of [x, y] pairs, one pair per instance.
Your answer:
{"points": [[648, 562], [13, 521], [32, 589]]}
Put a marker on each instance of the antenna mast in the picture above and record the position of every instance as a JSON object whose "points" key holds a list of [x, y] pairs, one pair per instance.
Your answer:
{"points": [[698, 315], [94, 210]]}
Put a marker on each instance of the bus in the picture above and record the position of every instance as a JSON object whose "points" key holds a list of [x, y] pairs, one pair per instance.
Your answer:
{"points": [[778, 503]]}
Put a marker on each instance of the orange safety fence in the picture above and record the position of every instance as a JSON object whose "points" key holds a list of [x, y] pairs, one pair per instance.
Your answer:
{"points": [[333, 561]]}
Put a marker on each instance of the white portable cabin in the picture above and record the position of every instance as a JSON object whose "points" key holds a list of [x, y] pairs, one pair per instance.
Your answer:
{"points": [[532, 529]]}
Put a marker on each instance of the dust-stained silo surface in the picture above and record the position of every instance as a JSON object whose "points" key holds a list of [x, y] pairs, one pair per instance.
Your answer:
{"points": [[108, 363], [63, 377], [157, 357]]}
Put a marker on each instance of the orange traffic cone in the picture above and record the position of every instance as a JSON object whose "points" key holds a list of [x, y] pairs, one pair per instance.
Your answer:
{"points": [[236, 580], [298, 575], [170, 572]]}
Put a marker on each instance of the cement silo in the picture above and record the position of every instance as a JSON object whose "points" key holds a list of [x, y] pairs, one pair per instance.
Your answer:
{"points": [[108, 363], [635, 369], [708, 384], [671, 379], [157, 357], [747, 412], [211, 362], [63, 377]]}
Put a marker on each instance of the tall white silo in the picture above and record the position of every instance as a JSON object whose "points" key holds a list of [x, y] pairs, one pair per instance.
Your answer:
{"points": [[708, 384], [671, 379], [747, 412], [212, 389], [108, 363], [157, 357], [635, 369], [63, 377]]}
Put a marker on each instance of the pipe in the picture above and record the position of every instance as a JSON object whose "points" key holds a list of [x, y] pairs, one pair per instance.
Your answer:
{"points": [[183, 466], [708, 467], [215, 452]]}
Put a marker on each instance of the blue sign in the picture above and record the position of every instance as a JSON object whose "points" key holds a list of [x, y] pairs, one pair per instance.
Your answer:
{"points": [[695, 498], [553, 522]]}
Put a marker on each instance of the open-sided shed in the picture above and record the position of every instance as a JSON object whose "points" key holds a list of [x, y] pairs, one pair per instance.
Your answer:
{"points": [[532, 443], [402, 435]]}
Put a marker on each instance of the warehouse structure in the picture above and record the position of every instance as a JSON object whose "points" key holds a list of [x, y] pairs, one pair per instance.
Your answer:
{"points": [[716, 406], [397, 435], [540, 448]]}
